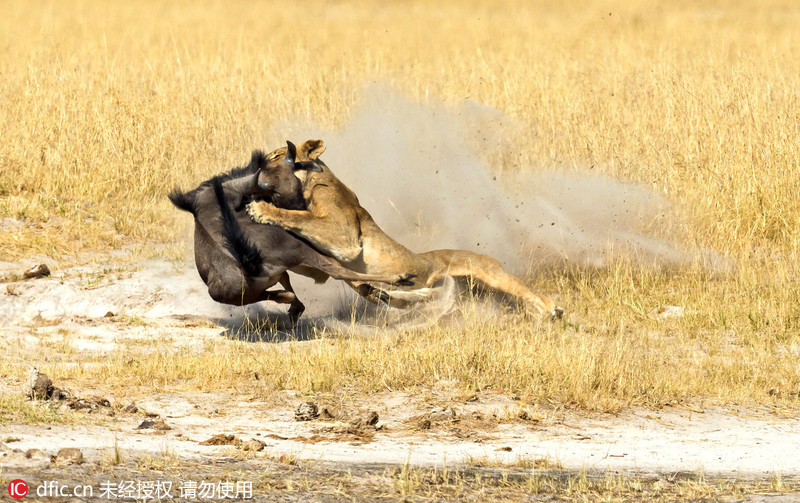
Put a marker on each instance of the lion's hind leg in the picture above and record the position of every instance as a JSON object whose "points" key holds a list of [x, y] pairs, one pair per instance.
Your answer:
{"points": [[488, 271]]}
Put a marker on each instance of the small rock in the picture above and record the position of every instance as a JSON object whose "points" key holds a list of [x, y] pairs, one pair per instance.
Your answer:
{"points": [[61, 394], [440, 414], [504, 449], [16, 459], [131, 408], [253, 445], [30, 381], [34, 454], [161, 425], [109, 314], [146, 425], [306, 411], [372, 418], [149, 424], [424, 424], [222, 439], [326, 413], [80, 404], [40, 387], [37, 271], [102, 402], [68, 456]]}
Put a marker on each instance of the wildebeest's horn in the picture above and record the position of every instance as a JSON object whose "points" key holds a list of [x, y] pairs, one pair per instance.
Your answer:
{"points": [[291, 152], [260, 184]]}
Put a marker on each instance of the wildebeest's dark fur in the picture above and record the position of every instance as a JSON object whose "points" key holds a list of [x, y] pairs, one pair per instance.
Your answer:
{"points": [[239, 259]]}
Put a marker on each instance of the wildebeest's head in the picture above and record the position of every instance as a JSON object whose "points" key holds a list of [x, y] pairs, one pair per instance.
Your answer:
{"points": [[272, 177], [277, 179]]}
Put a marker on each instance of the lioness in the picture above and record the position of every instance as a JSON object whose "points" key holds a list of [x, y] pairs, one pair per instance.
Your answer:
{"points": [[337, 225]]}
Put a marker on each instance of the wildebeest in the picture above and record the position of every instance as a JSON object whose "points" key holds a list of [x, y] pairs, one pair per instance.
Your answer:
{"points": [[336, 224], [239, 259]]}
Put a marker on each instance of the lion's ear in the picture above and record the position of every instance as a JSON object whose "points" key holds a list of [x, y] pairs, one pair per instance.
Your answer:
{"points": [[312, 149]]}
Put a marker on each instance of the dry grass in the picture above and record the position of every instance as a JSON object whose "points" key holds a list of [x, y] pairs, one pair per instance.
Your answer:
{"points": [[277, 480], [105, 106]]}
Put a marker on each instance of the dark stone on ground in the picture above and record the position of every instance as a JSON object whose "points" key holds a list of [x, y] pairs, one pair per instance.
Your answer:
{"points": [[68, 456], [149, 424], [42, 388], [222, 439], [37, 271], [306, 411]]}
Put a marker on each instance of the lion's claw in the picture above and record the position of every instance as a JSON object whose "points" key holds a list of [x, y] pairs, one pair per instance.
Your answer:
{"points": [[405, 279], [257, 212]]}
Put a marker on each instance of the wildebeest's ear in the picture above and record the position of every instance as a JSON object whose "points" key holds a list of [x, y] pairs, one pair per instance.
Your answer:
{"points": [[238, 202], [308, 166], [312, 149], [291, 153]]}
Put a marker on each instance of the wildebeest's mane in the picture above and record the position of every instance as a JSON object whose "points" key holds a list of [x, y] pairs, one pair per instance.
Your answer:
{"points": [[258, 160], [243, 250], [186, 200]]}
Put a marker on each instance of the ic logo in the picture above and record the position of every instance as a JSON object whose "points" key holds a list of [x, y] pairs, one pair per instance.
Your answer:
{"points": [[17, 489]]}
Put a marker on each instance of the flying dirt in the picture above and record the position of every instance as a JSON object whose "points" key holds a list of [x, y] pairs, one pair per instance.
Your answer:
{"points": [[419, 170]]}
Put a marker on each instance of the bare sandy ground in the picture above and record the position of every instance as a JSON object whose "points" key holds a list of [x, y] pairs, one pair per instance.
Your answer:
{"points": [[486, 430], [715, 442]]}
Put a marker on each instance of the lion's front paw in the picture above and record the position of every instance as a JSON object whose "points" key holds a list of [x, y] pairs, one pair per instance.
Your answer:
{"points": [[259, 211]]}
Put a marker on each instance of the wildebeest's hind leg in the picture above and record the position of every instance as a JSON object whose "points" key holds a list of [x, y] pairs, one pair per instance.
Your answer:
{"points": [[296, 307], [489, 271], [358, 281], [335, 270]]}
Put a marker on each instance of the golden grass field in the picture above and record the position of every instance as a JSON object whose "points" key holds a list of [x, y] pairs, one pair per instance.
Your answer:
{"points": [[108, 105]]}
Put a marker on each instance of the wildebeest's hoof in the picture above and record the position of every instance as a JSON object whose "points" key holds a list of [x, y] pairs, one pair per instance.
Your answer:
{"points": [[382, 297], [556, 313], [405, 280], [295, 310]]}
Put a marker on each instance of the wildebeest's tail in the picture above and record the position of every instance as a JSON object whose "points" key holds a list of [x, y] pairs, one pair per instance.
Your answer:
{"points": [[183, 200], [235, 241]]}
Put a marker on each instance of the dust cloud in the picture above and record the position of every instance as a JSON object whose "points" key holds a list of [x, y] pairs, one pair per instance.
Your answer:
{"points": [[416, 168]]}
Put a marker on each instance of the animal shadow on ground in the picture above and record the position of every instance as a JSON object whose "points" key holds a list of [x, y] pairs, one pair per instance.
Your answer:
{"points": [[351, 315], [254, 323]]}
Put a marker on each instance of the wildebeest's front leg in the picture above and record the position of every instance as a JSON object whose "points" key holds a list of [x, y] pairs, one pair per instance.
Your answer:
{"points": [[337, 234], [296, 307]]}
